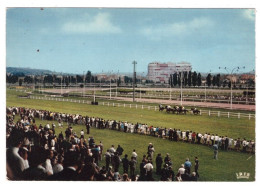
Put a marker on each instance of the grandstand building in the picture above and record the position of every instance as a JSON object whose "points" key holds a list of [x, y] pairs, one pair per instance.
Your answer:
{"points": [[160, 72]]}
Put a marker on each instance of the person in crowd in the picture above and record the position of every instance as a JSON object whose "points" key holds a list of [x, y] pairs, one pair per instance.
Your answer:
{"points": [[125, 162], [134, 154], [132, 165], [36, 171], [215, 148], [178, 177], [14, 160], [58, 167], [149, 170], [159, 162], [165, 173], [71, 165], [181, 169], [150, 151], [119, 150], [187, 165], [193, 177], [196, 166]]}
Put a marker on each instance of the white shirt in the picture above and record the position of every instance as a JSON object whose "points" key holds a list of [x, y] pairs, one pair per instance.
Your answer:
{"points": [[134, 154], [148, 167], [181, 170], [48, 166], [57, 168]]}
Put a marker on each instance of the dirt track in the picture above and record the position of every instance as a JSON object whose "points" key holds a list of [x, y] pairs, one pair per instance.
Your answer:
{"points": [[160, 101]]}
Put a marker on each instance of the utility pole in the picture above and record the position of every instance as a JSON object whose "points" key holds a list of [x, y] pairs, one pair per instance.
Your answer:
{"points": [[134, 75], [84, 84], [231, 72]]}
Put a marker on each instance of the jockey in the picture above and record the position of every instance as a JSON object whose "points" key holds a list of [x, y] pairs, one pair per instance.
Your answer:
{"points": [[160, 106]]}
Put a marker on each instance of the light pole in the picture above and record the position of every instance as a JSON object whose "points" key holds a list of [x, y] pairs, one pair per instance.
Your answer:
{"points": [[110, 86], [183, 70], [206, 87], [83, 93], [134, 75], [94, 89], [231, 71], [117, 81], [61, 84], [170, 87], [141, 84]]}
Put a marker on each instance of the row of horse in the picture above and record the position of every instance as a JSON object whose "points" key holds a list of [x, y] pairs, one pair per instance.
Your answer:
{"points": [[178, 110]]}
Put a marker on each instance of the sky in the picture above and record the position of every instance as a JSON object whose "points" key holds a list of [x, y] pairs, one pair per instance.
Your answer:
{"points": [[73, 40]]}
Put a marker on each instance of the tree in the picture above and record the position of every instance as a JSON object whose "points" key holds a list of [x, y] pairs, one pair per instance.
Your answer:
{"points": [[179, 79], [185, 78], [174, 79], [189, 78], [209, 79], [218, 80], [88, 77], [79, 78], [229, 84], [224, 83], [199, 79], [214, 80], [28, 79], [118, 81], [20, 82], [194, 78]]}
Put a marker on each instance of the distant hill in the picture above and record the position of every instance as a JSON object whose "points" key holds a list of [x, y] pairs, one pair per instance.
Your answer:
{"points": [[26, 71]]}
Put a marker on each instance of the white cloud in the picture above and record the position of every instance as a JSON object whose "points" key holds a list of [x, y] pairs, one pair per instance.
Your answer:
{"points": [[99, 24], [177, 29], [249, 14]]}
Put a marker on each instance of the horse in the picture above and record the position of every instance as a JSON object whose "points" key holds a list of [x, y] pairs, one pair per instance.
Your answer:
{"points": [[181, 110], [161, 108], [195, 111], [169, 109]]}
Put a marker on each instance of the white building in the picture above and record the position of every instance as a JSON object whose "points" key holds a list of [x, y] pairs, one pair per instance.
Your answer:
{"points": [[160, 72]]}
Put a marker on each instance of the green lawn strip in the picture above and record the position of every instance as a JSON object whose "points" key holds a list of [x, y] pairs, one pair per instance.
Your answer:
{"points": [[222, 126]]}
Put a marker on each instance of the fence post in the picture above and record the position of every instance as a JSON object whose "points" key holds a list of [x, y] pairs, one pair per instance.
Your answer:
{"points": [[108, 104], [228, 114], [148, 107], [238, 115], [249, 116], [113, 104], [136, 106], [142, 106], [130, 106], [155, 108], [218, 113], [209, 112], [124, 105], [200, 112]]}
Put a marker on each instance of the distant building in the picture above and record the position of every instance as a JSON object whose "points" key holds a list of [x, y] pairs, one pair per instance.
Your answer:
{"points": [[160, 72]]}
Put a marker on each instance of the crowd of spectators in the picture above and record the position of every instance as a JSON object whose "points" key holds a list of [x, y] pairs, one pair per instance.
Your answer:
{"points": [[39, 153], [209, 139]]}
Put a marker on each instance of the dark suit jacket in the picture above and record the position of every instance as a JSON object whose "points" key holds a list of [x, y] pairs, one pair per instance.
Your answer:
{"points": [[66, 174]]}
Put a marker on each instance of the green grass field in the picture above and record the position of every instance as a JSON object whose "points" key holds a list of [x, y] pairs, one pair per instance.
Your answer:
{"points": [[224, 169]]}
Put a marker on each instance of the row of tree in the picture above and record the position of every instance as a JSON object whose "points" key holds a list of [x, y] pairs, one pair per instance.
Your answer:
{"points": [[187, 79]]}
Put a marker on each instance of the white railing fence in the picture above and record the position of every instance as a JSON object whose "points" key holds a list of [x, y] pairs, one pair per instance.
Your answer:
{"points": [[147, 107]]}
